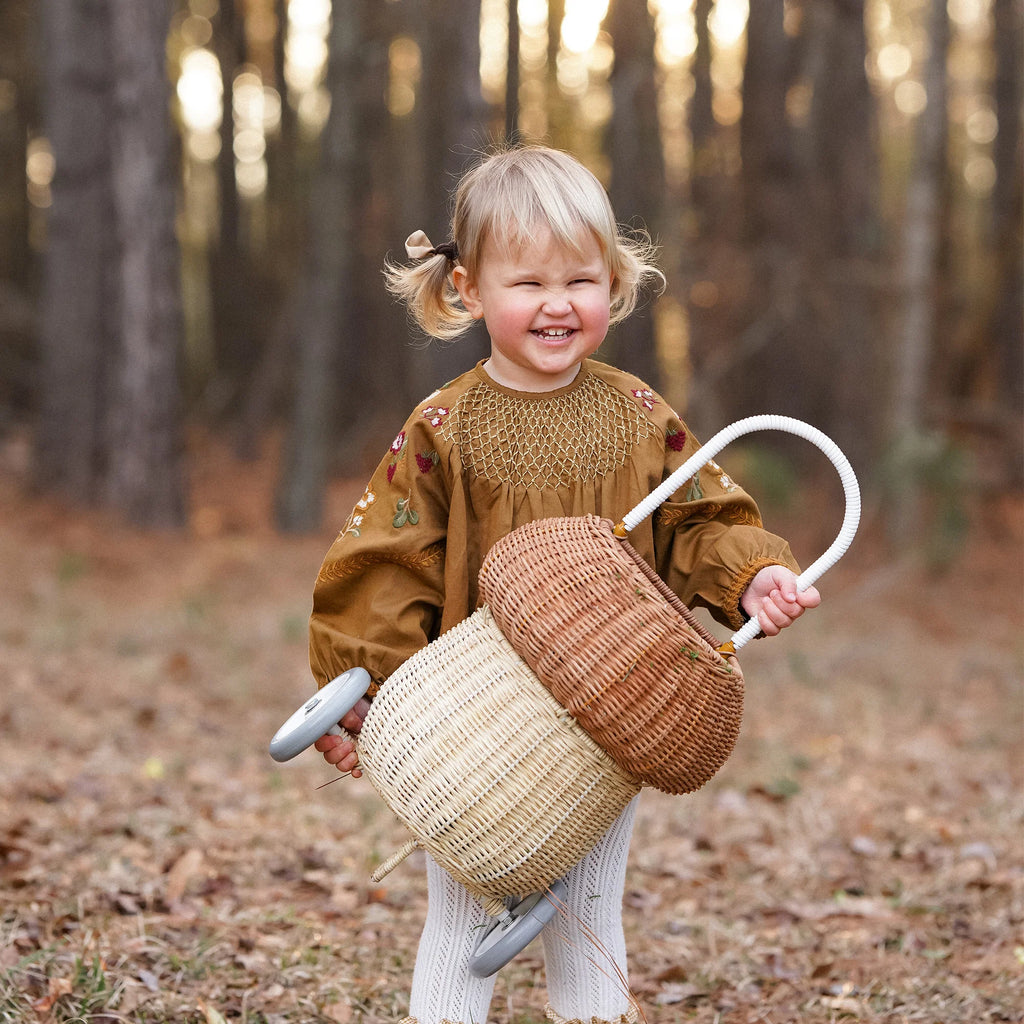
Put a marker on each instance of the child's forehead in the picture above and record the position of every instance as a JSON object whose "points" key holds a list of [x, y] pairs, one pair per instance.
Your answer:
{"points": [[529, 242]]}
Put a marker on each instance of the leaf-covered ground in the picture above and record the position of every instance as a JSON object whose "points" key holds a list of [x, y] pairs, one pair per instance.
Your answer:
{"points": [[859, 858]]}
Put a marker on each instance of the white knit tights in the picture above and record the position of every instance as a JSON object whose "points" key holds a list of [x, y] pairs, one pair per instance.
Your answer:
{"points": [[584, 948]]}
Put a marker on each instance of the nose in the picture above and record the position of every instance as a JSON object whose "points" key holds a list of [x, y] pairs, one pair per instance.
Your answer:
{"points": [[556, 301]]}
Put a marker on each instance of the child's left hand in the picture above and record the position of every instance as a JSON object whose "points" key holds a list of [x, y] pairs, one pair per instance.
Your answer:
{"points": [[773, 598]]}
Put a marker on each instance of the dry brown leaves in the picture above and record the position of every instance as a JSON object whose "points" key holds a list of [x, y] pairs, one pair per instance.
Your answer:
{"points": [[858, 859]]}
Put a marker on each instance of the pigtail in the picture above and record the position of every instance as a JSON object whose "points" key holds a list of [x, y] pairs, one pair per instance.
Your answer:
{"points": [[426, 288]]}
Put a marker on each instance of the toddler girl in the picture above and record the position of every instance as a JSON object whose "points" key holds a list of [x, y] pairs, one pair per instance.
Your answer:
{"points": [[537, 429]]}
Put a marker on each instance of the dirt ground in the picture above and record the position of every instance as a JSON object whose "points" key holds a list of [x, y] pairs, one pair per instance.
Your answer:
{"points": [[859, 858]]}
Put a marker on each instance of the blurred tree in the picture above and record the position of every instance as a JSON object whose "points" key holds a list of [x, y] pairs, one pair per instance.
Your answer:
{"points": [[918, 267], [638, 170], [18, 111], [327, 333], [767, 362], [452, 128], [1007, 322], [512, 77], [233, 301], [110, 418], [18, 26], [843, 248], [766, 141], [705, 170]]}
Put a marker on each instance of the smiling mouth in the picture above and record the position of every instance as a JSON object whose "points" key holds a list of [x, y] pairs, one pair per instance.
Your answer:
{"points": [[555, 334]]}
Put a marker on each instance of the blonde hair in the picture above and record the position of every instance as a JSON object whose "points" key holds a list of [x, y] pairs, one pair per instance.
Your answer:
{"points": [[509, 197]]}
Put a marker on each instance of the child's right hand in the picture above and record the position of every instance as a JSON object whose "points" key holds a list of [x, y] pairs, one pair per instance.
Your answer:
{"points": [[338, 750]]}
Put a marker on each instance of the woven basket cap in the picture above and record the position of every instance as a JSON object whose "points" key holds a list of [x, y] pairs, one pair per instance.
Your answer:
{"points": [[616, 648]]}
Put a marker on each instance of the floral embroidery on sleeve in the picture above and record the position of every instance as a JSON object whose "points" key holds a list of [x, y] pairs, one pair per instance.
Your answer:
{"points": [[397, 453], [723, 478], [645, 396], [694, 491], [405, 513], [435, 415], [675, 439], [358, 514], [426, 461]]}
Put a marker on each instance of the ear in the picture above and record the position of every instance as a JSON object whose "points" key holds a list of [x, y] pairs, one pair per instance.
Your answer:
{"points": [[468, 292]]}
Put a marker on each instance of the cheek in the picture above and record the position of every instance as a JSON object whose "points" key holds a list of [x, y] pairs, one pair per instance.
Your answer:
{"points": [[510, 315], [598, 312]]}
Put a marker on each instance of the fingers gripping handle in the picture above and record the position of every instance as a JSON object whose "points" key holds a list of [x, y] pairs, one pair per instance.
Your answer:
{"points": [[320, 715], [726, 436]]}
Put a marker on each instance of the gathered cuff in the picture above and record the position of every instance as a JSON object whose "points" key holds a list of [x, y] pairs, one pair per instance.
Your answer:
{"points": [[731, 605]]}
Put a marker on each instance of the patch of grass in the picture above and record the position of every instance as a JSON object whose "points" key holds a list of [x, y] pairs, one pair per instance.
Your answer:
{"points": [[48, 984]]}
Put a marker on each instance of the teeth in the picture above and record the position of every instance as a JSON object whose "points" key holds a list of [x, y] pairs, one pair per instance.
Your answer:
{"points": [[561, 332]]}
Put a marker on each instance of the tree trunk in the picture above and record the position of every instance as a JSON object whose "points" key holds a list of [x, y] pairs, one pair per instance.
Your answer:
{"points": [[771, 333], [841, 257], [451, 125], [145, 475], [18, 25], [110, 425], [704, 161], [512, 76], [558, 108], [18, 103], [922, 233], [921, 237], [638, 169], [372, 395], [1008, 214], [233, 294], [329, 286], [766, 145], [78, 290]]}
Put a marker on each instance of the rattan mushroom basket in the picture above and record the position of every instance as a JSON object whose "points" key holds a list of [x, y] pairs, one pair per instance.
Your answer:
{"points": [[509, 744]]}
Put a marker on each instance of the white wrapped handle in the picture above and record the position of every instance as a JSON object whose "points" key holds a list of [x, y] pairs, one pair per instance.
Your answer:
{"points": [[726, 436]]}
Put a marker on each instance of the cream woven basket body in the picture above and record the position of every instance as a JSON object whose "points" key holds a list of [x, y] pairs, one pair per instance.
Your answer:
{"points": [[495, 779], [616, 648]]}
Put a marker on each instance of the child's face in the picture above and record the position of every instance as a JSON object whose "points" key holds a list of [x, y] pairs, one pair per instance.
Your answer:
{"points": [[546, 309]]}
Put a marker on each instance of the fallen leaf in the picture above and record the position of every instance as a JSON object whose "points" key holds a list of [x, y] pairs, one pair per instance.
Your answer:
{"points": [[673, 973], [211, 1013], [341, 1013], [150, 980], [182, 871], [57, 987], [848, 906], [843, 1004], [678, 993]]}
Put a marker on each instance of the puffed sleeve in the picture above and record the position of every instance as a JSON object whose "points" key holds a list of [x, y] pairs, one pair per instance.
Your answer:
{"points": [[709, 537], [379, 593]]}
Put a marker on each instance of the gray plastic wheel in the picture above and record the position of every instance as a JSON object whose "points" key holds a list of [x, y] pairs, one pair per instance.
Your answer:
{"points": [[512, 932]]}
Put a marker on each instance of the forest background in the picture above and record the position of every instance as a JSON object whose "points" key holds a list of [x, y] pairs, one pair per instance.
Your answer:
{"points": [[199, 366], [198, 198]]}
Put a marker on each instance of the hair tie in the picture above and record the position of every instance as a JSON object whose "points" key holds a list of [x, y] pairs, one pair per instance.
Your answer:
{"points": [[419, 247]]}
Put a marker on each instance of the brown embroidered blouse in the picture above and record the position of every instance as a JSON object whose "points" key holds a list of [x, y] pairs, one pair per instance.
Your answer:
{"points": [[474, 461]]}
